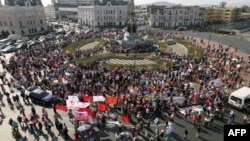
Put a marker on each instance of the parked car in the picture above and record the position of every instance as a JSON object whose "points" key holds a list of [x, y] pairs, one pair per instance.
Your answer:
{"points": [[41, 97], [2, 45], [21, 45], [9, 49]]}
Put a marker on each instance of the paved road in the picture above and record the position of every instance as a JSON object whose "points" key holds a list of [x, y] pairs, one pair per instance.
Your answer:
{"points": [[234, 41]]}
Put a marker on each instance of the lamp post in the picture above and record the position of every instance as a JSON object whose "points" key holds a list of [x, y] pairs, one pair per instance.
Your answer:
{"points": [[209, 38]]}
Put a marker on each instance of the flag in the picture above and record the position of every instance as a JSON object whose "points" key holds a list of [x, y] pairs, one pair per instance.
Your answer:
{"points": [[83, 104], [87, 98], [62, 108], [103, 107], [81, 116], [111, 100], [125, 118]]}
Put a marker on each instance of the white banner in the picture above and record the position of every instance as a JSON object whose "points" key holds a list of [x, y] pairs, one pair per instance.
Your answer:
{"points": [[72, 104], [83, 104], [73, 98], [196, 108], [98, 98]]}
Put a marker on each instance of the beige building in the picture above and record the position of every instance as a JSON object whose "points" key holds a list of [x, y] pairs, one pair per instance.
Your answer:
{"points": [[22, 20], [220, 14], [175, 16]]}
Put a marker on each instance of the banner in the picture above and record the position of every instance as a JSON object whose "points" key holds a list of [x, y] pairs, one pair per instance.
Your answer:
{"points": [[83, 104], [81, 116], [98, 98], [87, 98], [103, 107], [73, 98], [90, 113], [197, 108], [72, 104], [125, 118], [111, 100], [61, 108]]}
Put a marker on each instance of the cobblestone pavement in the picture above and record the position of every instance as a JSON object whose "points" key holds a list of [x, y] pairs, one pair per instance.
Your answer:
{"points": [[130, 62]]}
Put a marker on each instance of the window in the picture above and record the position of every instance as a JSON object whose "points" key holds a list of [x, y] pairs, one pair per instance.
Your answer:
{"points": [[1, 24], [20, 23], [237, 100], [5, 23], [41, 21], [11, 25], [120, 11], [33, 21]]}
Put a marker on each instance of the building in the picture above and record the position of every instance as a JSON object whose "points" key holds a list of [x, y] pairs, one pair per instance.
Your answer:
{"points": [[24, 19], [175, 16], [217, 14], [231, 14], [108, 13], [75, 2], [212, 15]]}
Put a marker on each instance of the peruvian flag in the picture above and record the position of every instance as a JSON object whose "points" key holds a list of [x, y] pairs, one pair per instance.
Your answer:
{"points": [[111, 100], [125, 118], [103, 107], [61, 107], [87, 98]]}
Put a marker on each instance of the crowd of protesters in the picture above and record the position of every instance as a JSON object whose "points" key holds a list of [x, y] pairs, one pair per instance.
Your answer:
{"points": [[43, 64]]}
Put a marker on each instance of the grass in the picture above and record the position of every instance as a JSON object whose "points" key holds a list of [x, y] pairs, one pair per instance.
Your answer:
{"points": [[72, 47], [160, 63], [193, 50], [153, 37], [101, 43], [163, 46]]}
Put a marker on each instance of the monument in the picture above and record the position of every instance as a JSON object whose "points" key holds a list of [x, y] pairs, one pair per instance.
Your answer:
{"points": [[131, 40]]}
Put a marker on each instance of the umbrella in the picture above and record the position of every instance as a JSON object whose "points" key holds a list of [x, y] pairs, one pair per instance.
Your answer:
{"points": [[84, 127]]}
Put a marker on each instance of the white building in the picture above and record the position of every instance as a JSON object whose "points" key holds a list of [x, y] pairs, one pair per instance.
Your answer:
{"points": [[22, 20], [75, 2], [176, 16], [105, 14]]}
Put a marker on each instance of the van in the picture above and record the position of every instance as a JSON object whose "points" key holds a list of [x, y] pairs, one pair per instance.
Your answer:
{"points": [[240, 98]]}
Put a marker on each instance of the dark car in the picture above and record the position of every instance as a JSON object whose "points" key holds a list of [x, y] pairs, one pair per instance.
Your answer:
{"points": [[41, 97]]}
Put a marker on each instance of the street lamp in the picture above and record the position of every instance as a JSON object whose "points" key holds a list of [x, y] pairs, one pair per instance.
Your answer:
{"points": [[209, 38]]}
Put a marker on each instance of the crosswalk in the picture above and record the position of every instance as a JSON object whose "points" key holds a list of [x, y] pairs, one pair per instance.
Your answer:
{"points": [[130, 62]]}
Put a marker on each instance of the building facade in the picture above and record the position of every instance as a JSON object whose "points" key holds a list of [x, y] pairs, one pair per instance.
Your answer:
{"points": [[176, 16], [22, 20], [105, 14]]}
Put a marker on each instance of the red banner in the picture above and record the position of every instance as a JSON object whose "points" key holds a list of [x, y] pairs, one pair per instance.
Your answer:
{"points": [[125, 118], [103, 107], [61, 107], [87, 98], [111, 100]]}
